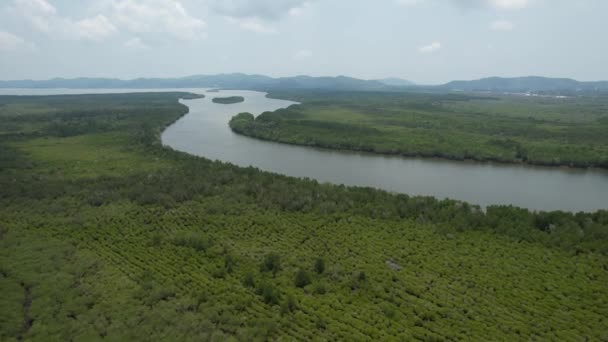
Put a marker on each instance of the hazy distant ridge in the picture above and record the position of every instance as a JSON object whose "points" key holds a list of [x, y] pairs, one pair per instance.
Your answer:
{"points": [[241, 81], [260, 82], [397, 82], [526, 84]]}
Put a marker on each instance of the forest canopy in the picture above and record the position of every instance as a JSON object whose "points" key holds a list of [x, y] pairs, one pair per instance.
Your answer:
{"points": [[510, 129], [228, 100], [107, 234]]}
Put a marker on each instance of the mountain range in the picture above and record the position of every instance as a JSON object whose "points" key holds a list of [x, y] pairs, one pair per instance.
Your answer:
{"points": [[532, 84], [226, 81], [526, 84]]}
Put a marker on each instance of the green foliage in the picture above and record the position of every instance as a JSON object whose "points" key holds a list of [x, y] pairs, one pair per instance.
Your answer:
{"points": [[241, 122], [320, 324], [229, 263], [269, 293], [320, 289], [108, 235], [289, 305], [271, 263], [320, 265], [249, 280], [197, 241], [228, 100], [302, 278], [543, 131]]}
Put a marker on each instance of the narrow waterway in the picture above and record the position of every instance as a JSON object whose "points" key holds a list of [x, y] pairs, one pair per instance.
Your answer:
{"points": [[204, 132]]}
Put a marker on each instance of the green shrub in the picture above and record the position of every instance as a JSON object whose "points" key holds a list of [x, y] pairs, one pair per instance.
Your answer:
{"points": [[197, 241], [271, 263], [289, 305], [321, 324], [320, 265], [269, 293], [249, 280], [229, 263], [320, 289], [302, 278]]}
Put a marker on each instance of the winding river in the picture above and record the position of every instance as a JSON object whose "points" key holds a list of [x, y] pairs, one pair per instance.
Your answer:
{"points": [[204, 132]]}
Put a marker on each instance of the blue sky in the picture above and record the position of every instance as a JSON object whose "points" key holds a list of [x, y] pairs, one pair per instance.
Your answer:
{"points": [[427, 41]]}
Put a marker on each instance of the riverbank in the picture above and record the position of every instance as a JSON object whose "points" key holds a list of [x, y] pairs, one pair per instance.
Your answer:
{"points": [[249, 129], [204, 132], [561, 133]]}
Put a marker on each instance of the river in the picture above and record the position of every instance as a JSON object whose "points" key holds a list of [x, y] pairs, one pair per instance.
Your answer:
{"points": [[204, 132]]}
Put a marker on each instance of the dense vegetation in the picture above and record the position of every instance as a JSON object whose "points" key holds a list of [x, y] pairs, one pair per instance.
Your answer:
{"points": [[228, 100], [104, 233], [545, 131]]}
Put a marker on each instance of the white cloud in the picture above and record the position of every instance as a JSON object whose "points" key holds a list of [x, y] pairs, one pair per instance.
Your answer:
{"points": [[510, 4], [298, 10], [95, 28], [135, 44], [41, 7], [254, 15], [11, 42], [39, 13], [302, 54], [502, 25], [260, 9], [430, 48], [43, 16], [251, 24], [167, 17], [158, 16], [495, 4]]}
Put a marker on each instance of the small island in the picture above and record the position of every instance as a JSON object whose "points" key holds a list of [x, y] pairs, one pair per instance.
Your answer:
{"points": [[192, 96], [228, 100]]}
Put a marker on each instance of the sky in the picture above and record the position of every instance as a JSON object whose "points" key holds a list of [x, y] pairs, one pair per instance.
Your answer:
{"points": [[426, 41]]}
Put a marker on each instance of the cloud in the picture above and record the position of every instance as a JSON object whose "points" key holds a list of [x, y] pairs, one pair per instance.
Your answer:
{"points": [[302, 54], [251, 24], [254, 15], [430, 48], [166, 17], [510, 4], [135, 44], [494, 4], [158, 16], [260, 9], [10, 42], [42, 7], [95, 28], [43, 17], [39, 13], [298, 10], [502, 25]]}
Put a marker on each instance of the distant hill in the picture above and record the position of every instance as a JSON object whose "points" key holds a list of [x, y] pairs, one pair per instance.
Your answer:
{"points": [[396, 82], [225, 81], [526, 84], [336, 83], [532, 84]]}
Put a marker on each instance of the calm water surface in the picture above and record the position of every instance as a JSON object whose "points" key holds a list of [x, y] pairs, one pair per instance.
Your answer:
{"points": [[204, 132]]}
